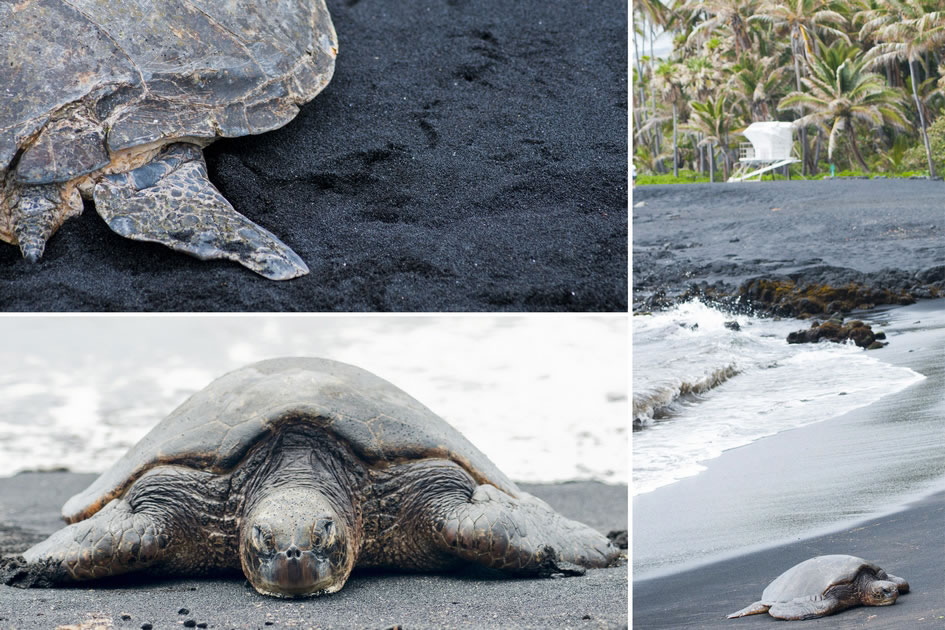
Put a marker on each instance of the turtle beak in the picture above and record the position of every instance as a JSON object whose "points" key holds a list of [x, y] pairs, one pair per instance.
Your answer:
{"points": [[295, 572]]}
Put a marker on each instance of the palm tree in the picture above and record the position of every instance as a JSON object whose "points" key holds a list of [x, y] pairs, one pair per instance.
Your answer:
{"points": [[906, 30], [701, 77], [646, 161], [802, 18], [719, 13], [711, 119], [668, 79], [840, 92], [755, 82], [651, 14]]}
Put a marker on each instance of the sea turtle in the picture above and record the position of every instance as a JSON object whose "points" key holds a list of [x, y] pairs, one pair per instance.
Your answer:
{"points": [[114, 101], [297, 470], [824, 585]]}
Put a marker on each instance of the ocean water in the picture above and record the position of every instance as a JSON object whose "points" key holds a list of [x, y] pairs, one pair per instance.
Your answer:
{"points": [[703, 385], [546, 398]]}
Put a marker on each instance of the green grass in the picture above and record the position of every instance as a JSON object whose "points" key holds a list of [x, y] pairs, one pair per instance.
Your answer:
{"points": [[692, 177], [685, 177]]}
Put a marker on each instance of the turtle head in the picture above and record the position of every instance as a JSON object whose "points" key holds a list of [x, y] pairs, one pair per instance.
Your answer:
{"points": [[880, 593], [293, 544]]}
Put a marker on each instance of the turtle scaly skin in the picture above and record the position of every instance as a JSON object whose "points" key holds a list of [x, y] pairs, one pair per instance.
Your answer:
{"points": [[295, 471]]}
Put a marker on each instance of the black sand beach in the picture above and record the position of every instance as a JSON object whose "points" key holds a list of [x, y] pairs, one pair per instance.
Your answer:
{"points": [[909, 543], [707, 545], [29, 510], [466, 156], [880, 233]]}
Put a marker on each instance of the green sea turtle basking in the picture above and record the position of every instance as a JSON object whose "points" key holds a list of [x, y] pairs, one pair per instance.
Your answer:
{"points": [[297, 470], [825, 585], [113, 101]]}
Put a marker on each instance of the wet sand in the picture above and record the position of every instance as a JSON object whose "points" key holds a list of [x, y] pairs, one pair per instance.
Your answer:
{"points": [[888, 233], [465, 156], [707, 545], [29, 510]]}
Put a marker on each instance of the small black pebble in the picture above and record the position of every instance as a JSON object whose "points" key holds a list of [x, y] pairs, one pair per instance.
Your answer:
{"points": [[202, 624], [268, 623], [146, 626], [190, 623], [183, 611], [586, 617], [126, 617]]}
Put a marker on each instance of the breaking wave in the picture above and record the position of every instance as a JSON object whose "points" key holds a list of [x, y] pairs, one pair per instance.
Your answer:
{"points": [[660, 401]]}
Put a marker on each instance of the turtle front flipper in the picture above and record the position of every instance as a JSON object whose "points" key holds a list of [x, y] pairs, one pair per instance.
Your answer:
{"points": [[171, 201], [522, 536], [806, 608], [115, 540]]}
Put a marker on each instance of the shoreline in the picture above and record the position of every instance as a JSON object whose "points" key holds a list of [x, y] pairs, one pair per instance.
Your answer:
{"points": [[903, 504], [29, 508], [811, 481], [906, 542]]}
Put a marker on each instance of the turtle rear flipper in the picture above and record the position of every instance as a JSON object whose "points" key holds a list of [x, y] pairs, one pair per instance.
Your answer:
{"points": [[521, 535], [806, 608], [171, 201], [38, 212], [752, 609]]}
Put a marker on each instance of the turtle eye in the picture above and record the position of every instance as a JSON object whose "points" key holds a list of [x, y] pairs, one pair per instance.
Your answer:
{"points": [[323, 533], [262, 539]]}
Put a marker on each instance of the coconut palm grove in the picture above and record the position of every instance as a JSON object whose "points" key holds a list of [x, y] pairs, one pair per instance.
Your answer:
{"points": [[862, 81]]}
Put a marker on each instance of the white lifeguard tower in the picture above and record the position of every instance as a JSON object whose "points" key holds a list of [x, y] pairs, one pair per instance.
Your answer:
{"points": [[769, 147]]}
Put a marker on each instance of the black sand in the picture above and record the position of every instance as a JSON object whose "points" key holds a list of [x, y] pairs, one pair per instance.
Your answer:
{"points": [[29, 510], [885, 233], [466, 156], [910, 544]]}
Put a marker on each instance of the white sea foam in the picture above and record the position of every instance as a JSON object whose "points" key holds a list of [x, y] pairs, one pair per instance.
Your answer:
{"points": [[545, 398], [701, 388]]}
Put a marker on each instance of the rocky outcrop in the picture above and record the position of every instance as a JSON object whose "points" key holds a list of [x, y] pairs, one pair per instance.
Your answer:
{"points": [[834, 330], [788, 297]]}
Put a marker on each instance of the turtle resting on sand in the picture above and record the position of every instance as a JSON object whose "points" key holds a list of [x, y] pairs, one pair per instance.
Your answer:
{"points": [[297, 470], [113, 101], [825, 585]]}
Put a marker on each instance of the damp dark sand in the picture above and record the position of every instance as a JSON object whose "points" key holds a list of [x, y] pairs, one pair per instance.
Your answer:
{"points": [[29, 510], [888, 233], [465, 156]]}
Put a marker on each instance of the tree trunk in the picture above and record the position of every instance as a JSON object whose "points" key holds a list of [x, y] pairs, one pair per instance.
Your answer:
{"points": [[795, 51], [918, 105], [820, 137], [701, 157], [675, 145], [641, 110], [856, 150], [711, 164], [636, 110]]}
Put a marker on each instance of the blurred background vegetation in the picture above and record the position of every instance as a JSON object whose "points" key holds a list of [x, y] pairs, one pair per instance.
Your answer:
{"points": [[863, 81]]}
